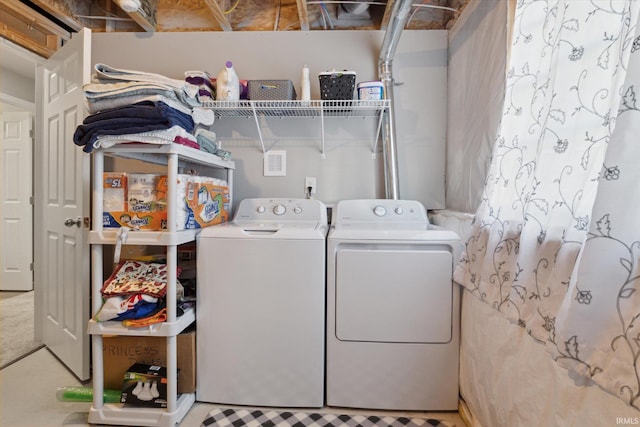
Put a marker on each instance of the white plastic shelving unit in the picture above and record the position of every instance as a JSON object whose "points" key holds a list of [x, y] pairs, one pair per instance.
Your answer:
{"points": [[175, 157], [316, 108]]}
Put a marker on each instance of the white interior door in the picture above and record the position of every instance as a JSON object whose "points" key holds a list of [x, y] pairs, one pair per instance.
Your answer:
{"points": [[16, 213], [62, 202]]}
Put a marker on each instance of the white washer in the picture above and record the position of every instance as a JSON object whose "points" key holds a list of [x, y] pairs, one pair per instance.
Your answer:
{"points": [[392, 308], [261, 305]]}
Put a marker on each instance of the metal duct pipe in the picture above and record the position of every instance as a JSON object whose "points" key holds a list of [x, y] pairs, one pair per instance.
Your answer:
{"points": [[355, 8], [399, 15]]}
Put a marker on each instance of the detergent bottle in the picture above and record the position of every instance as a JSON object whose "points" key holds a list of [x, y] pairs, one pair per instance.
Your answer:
{"points": [[227, 84]]}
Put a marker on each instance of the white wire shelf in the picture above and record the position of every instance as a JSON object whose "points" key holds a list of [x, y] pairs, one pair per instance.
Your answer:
{"points": [[297, 108]]}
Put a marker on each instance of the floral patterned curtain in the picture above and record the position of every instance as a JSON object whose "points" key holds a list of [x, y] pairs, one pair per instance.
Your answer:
{"points": [[554, 245]]}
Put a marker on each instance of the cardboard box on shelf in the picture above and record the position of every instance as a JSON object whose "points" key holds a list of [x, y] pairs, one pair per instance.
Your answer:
{"points": [[114, 186], [139, 201], [121, 352], [206, 204], [147, 192], [135, 200]]}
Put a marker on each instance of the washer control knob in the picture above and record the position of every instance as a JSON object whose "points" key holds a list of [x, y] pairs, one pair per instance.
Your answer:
{"points": [[399, 210], [279, 209], [297, 210], [261, 209], [380, 211]]}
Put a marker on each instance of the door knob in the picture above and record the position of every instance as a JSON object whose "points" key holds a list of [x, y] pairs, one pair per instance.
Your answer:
{"points": [[71, 222]]}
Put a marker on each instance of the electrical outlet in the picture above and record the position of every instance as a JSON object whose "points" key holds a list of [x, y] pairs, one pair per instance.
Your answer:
{"points": [[310, 185]]}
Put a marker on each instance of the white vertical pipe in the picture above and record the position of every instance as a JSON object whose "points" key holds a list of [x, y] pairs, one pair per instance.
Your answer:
{"points": [[172, 261], [399, 15], [96, 277]]}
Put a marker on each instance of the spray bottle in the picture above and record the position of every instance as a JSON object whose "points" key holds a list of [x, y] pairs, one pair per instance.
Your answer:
{"points": [[227, 84]]}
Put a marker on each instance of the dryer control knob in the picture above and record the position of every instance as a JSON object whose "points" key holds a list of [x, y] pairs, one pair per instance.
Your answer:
{"points": [[399, 210], [261, 209], [279, 209], [297, 210], [380, 211]]}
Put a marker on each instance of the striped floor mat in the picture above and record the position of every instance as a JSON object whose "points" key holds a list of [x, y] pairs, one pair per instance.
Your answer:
{"points": [[271, 418]]}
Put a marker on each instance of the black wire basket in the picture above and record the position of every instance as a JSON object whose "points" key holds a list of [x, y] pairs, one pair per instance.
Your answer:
{"points": [[337, 85]]}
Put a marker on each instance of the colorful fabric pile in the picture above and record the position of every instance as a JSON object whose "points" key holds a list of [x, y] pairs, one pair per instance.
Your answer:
{"points": [[134, 294]]}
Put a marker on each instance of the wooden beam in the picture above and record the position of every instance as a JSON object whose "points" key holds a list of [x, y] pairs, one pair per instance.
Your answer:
{"points": [[143, 20], [145, 16], [29, 29], [39, 47], [387, 15], [60, 12], [33, 19], [219, 15], [109, 24], [303, 15]]}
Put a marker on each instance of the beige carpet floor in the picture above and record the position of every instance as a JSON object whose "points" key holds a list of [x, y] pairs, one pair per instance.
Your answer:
{"points": [[16, 328]]}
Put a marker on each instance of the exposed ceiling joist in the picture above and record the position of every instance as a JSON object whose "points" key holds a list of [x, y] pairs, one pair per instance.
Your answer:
{"points": [[60, 12], [29, 29], [33, 18], [143, 20], [303, 15], [144, 15], [42, 26], [219, 15]]}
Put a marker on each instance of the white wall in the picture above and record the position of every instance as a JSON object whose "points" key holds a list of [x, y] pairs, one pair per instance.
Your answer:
{"points": [[477, 74], [14, 85], [348, 171], [17, 77]]}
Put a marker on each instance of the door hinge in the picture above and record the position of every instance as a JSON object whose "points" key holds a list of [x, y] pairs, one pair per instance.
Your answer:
{"points": [[87, 222], [31, 134], [31, 200], [31, 267]]}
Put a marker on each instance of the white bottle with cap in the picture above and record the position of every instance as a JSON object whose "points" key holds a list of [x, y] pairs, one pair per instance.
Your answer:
{"points": [[227, 84]]}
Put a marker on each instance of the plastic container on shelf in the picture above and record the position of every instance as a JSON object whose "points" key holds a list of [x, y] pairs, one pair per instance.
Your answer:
{"points": [[373, 90], [337, 85], [227, 84], [271, 90], [305, 85]]}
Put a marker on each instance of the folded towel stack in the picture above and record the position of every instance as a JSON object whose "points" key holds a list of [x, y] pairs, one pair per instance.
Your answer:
{"points": [[134, 106]]}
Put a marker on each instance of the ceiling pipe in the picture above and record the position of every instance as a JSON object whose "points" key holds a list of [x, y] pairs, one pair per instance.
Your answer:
{"points": [[399, 15], [358, 7]]}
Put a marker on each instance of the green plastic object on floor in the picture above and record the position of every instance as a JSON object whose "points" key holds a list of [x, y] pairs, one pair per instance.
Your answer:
{"points": [[85, 394]]}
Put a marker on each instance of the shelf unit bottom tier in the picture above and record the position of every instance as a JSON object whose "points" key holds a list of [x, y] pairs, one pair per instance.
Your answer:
{"points": [[118, 414]]}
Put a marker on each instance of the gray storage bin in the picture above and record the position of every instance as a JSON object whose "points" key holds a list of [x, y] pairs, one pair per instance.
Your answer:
{"points": [[271, 90]]}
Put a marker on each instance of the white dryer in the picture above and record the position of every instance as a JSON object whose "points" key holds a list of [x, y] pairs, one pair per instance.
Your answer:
{"points": [[392, 308], [261, 305]]}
